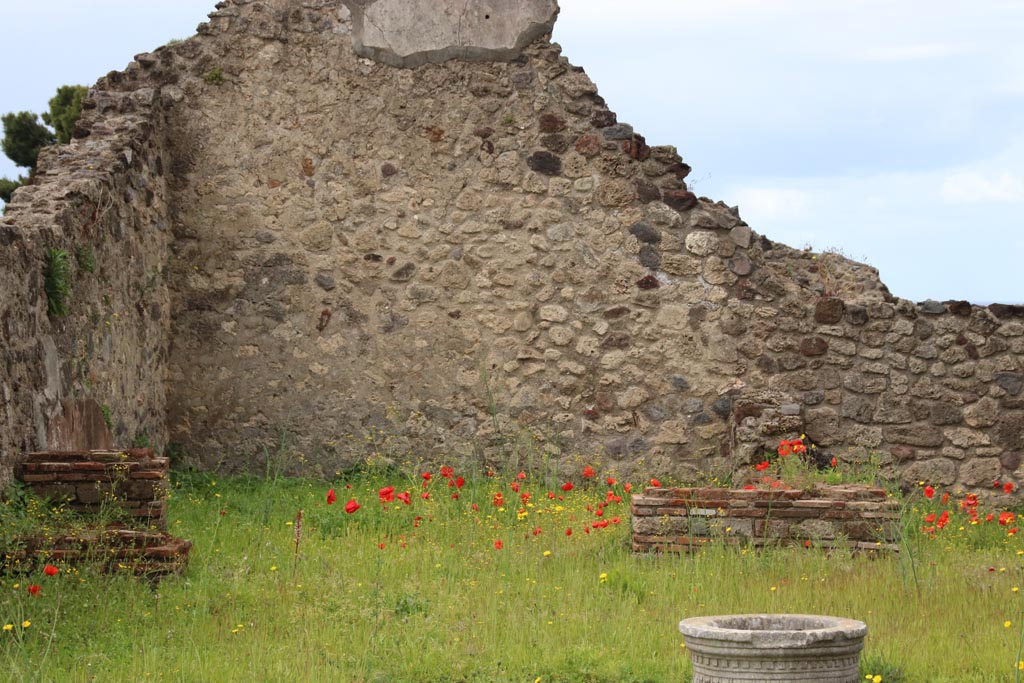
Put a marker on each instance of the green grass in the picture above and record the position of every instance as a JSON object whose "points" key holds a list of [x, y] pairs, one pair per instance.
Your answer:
{"points": [[440, 603]]}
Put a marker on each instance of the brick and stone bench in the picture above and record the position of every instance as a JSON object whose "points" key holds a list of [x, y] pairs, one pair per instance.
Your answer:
{"points": [[128, 486], [132, 482], [111, 550], [861, 518]]}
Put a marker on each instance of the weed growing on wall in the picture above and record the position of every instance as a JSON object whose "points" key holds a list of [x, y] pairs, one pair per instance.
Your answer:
{"points": [[86, 259], [108, 417], [57, 282], [214, 76]]}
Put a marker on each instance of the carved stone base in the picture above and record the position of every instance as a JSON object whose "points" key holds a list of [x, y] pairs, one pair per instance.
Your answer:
{"points": [[774, 647]]}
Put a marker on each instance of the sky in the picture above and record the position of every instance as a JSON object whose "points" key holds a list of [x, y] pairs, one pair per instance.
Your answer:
{"points": [[891, 131]]}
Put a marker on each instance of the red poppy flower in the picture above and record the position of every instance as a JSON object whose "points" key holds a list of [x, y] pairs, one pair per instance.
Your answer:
{"points": [[589, 472], [525, 497], [615, 520], [567, 486], [1008, 487], [599, 512], [1012, 532], [989, 517], [331, 497], [627, 487], [655, 482], [798, 446], [381, 546], [929, 492], [784, 449], [610, 481], [455, 496], [447, 472], [749, 487], [33, 589], [945, 498], [1006, 518], [50, 570], [498, 545], [352, 506], [763, 465], [521, 475], [996, 484], [498, 500], [425, 496], [929, 518], [514, 486], [426, 476], [807, 544], [537, 531], [386, 494], [404, 497], [459, 482], [568, 532]]}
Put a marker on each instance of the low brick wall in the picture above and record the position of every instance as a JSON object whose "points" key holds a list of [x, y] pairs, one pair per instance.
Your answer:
{"points": [[143, 553], [683, 519], [134, 482]]}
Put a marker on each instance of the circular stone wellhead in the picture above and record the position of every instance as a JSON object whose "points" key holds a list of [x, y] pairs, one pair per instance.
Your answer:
{"points": [[774, 647]]}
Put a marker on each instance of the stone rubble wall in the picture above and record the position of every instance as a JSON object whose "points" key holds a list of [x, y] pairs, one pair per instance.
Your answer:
{"points": [[933, 390], [477, 261], [102, 200]]}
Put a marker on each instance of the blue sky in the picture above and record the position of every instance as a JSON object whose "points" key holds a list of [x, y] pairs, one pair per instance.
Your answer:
{"points": [[892, 131]]}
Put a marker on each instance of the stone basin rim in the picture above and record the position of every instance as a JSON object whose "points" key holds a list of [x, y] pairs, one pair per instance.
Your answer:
{"points": [[803, 629]]}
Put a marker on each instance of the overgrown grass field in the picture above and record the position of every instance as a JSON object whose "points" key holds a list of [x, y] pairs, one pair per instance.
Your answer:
{"points": [[463, 585]]}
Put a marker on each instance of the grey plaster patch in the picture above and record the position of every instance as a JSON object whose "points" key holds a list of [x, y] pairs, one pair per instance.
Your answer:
{"points": [[51, 361], [410, 33]]}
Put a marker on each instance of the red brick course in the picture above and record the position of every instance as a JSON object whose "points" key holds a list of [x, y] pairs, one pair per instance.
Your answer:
{"points": [[134, 481]]}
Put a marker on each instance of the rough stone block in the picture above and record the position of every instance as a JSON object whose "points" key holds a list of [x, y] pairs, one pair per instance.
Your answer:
{"points": [[410, 33]]}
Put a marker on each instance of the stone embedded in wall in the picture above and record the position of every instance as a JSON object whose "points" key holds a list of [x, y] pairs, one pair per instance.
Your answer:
{"points": [[829, 310], [1010, 382]]}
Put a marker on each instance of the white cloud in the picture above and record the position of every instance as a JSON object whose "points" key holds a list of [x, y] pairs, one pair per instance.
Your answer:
{"points": [[772, 204], [913, 53], [972, 187]]}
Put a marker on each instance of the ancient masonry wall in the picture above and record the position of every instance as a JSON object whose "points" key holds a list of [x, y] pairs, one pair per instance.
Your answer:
{"points": [[478, 261], [101, 201]]}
